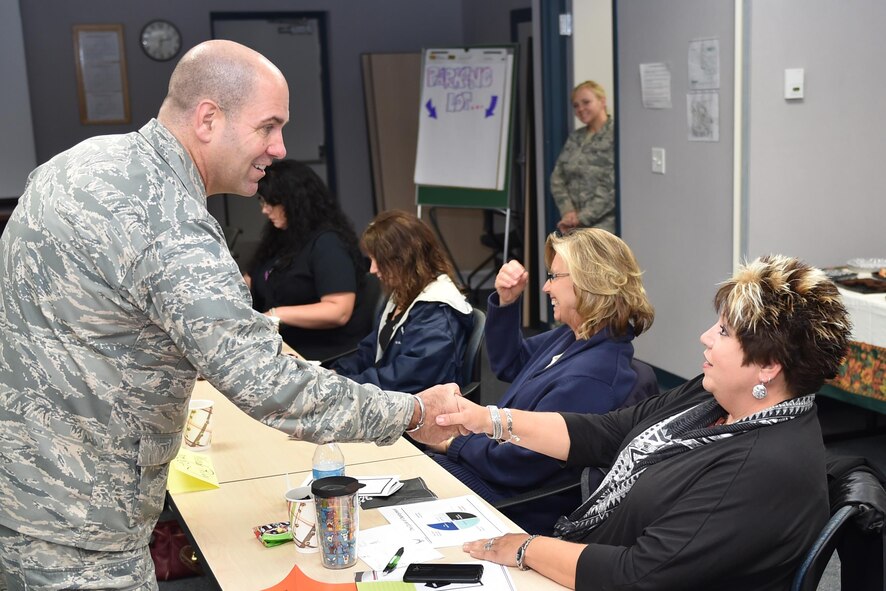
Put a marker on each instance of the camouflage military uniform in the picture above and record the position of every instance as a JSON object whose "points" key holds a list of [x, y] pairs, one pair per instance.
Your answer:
{"points": [[46, 566], [116, 288], [584, 177]]}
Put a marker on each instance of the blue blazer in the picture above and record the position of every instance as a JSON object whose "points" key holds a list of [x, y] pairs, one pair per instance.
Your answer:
{"points": [[591, 376]]}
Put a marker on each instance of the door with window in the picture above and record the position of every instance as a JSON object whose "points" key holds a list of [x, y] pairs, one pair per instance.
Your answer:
{"points": [[296, 43]]}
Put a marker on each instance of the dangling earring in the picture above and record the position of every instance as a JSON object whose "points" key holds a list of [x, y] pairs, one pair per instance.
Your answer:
{"points": [[759, 390]]}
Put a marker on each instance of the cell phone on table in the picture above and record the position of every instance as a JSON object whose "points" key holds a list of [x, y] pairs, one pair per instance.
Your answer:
{"points": [[419, 572]]}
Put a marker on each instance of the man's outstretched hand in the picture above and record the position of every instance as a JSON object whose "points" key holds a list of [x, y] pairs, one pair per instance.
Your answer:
{"points": [[442, 399]]}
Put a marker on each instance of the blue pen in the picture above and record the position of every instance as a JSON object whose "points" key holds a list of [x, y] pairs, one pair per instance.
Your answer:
{"points": [[392, 564]]}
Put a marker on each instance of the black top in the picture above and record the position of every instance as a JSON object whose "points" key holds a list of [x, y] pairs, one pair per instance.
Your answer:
{"points": [[734, 514], [321, 268]]}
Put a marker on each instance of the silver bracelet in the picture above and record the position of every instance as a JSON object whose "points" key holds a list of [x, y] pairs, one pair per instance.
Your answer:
{"points": [[496, 422], [421, 416], [511, 436], [521, 552]]}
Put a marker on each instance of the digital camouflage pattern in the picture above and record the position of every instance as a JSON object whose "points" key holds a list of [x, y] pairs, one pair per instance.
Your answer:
{"points": [[46, 566], [583, 179], [116, 289]]}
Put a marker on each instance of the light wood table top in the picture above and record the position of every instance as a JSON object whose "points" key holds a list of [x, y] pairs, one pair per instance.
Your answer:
{"points": [[221, 523], [243, 448]]}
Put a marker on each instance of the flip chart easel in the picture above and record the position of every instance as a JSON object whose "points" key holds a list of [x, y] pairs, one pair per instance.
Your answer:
{"points": [[465, 131]]}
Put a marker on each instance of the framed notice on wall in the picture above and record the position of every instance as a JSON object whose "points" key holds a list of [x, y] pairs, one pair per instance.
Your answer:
{"points": [[101, 74]]}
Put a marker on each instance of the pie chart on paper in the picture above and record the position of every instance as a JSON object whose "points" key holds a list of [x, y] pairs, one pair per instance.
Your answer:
{"points": [[455, 520]]}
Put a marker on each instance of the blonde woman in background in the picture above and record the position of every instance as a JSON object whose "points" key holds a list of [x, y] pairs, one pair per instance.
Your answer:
{"points": [[583, 181]]}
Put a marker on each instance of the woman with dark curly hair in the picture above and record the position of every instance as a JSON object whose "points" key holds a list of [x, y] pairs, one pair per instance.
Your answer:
{"points": [[421, 335], [308, 270]]}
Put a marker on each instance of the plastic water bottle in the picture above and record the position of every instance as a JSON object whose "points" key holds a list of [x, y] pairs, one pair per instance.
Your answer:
{"points": [[328, 461]]}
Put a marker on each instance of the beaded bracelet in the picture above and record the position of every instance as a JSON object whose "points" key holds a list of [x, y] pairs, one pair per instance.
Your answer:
{"points": [[496, 422]]}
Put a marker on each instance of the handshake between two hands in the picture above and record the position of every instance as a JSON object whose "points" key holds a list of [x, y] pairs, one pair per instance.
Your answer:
{"points": [[448, 414]]}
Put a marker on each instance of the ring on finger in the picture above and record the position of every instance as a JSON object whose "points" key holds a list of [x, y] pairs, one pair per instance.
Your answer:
{"points": [[488, 544]]}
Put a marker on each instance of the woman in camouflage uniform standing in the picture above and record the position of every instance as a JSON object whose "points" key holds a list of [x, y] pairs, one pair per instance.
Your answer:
{"points": [[583, 181]]}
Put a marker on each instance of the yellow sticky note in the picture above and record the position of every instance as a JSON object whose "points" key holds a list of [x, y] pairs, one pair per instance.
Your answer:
{"points": [[191, 471]]}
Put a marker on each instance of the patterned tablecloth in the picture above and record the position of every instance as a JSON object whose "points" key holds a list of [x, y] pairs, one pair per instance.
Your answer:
{"points": [[861, 380]]}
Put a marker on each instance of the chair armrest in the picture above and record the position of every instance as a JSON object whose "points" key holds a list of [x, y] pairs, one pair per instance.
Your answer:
{"points": [[533, 495], [472, 392], [330, 360]]}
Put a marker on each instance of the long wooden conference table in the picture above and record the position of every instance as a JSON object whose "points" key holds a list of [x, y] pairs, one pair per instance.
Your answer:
{"points": [[255, 464]]}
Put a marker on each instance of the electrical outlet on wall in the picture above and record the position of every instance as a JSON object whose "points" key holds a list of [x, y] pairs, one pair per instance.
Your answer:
{"points": [[658, 160]]}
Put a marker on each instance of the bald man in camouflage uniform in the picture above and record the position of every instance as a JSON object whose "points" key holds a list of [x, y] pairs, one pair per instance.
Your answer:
{"points": [[116, 289]]}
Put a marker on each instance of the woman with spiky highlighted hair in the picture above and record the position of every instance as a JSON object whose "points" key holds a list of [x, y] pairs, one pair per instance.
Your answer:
{"points": [[717, 484]]}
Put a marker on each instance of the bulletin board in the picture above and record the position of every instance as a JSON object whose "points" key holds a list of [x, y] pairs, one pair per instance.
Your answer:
{"points": [[465, 127]]}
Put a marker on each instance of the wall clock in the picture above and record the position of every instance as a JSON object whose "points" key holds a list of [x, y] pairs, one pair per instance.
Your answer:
{"points": [[161, 40]]}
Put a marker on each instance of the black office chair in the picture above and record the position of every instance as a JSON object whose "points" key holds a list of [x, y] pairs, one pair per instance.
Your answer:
{"points": [[855, 530], [591, 477], [373, 293], [472, 366]]}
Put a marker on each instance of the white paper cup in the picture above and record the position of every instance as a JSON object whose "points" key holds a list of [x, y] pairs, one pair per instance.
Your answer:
{"points": [[198, 429], [302, 519]]}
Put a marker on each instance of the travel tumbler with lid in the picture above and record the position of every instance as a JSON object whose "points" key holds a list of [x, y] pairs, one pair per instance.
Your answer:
{"points": [[335, 499]]}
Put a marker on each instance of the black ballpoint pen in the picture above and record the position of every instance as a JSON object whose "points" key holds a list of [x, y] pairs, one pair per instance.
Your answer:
{"points": [[392, 564]]}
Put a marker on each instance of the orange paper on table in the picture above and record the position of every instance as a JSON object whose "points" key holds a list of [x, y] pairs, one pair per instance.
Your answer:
{"points": [[296, 580], [191, 471]]}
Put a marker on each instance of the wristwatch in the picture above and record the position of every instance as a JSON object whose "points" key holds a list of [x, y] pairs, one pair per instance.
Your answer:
{"points": [[521, 552]]}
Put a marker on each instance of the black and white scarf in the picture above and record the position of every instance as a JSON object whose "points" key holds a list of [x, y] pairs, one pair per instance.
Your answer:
{"points": [[686, 430]]}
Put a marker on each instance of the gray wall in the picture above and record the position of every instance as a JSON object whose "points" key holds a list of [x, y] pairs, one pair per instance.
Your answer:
{"points": [[812, 168], [679, 224], [489, 21], [816, 186], [354, 27], [16, 136]]}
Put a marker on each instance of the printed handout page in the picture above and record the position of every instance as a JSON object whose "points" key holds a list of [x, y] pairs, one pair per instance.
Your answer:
{"points": [[704, 64], [379, 544], [446, 522], [655, 85], [703, 114]]}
